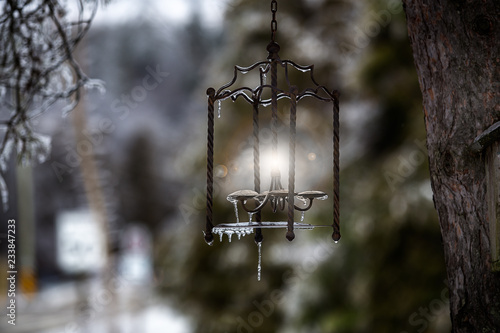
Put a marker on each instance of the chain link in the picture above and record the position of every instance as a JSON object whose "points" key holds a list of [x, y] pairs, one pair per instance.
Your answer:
{"points": [[274, 23]]}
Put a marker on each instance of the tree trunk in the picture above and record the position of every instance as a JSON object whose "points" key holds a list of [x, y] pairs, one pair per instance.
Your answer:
{"points": [[455, 48]]}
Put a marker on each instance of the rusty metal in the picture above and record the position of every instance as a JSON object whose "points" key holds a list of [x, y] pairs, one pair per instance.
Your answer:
{"points": [[277, 196]]}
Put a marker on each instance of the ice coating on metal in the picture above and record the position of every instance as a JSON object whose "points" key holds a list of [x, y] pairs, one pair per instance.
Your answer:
{"points": [[241, 195], [313, 195], [265, 225], [239, 231], [235, 204], [259, 264]]}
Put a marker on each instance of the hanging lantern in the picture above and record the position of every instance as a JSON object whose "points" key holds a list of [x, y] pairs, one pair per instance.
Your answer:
{"points": [[276, 198]]}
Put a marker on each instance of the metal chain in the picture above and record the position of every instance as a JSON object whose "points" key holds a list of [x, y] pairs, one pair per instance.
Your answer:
{"points": [[274, 23]]}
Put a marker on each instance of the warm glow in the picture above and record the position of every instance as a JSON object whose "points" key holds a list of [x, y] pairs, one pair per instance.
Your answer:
{"points": [[274, 162]]}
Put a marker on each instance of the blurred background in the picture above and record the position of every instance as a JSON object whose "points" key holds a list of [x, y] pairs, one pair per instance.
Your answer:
{"points": [[109, 228]]}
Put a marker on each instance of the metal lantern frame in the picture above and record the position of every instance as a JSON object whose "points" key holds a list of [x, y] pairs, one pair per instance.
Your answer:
{"points": [[277, 196]]}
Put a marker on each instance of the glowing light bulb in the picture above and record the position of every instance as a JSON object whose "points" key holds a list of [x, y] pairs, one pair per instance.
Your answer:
{"points": [[275, 162]]}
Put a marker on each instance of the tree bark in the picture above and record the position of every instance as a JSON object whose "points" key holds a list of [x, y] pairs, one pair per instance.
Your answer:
{"points": [[456, 53]]}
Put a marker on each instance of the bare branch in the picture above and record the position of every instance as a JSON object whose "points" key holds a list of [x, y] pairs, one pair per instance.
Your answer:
{"points": [[37, 68]]}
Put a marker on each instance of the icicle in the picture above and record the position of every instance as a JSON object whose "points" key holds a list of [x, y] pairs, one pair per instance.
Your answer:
{"points": [[259, 265], [219, 108], [235, 204], [302, 216], [231, 231], [250, 217]]}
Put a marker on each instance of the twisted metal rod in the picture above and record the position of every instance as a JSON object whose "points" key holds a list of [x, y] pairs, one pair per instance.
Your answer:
{"points": [[336, 168], [290, 235], [209, 238], [256, 151], [274, 107], [256, 166]]}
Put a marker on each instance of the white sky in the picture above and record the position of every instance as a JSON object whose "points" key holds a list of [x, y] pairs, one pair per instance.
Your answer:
{"points": [[172, 11]]}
